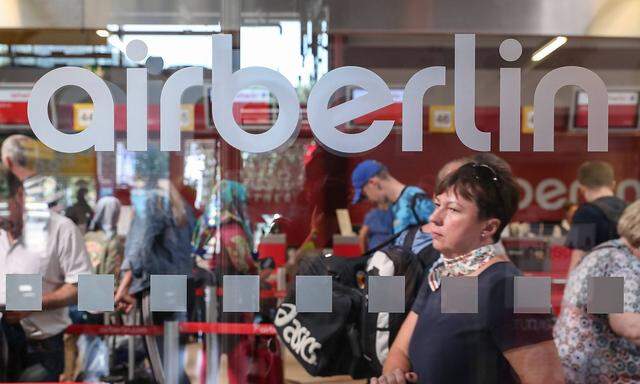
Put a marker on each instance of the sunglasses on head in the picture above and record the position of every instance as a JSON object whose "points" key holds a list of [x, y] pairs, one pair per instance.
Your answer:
{"points": [[485, 175], [484, 172]]}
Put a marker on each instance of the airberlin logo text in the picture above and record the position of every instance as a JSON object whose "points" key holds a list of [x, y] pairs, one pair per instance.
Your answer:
{"points": [[323, 119]]}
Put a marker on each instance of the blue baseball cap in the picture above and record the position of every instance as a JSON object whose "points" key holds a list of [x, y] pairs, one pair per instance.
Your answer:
{"points": [[361, 175]]}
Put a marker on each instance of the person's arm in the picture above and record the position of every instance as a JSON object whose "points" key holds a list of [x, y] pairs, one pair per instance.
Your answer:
{"points": [[65, 295], [311, 241], [397, 367], [576, 257], [536, 363], [582, 234], [74, 261], [143, 232], [362, 237], [124, 301], [626, 325]]}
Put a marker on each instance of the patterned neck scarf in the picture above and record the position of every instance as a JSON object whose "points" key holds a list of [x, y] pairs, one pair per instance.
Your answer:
{"points": [[463, 265]]}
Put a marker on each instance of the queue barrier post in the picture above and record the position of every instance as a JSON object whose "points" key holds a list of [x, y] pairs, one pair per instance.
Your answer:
{"points": [[212, 347], [171, 352], [131, 350]]}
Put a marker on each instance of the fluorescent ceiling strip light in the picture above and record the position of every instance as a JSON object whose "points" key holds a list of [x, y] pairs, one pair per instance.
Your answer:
{"points": [[548, 48], [115, 41], [178, 28]]}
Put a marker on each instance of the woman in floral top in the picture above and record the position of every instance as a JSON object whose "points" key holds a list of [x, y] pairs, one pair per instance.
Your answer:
{"points": [[601, 348]]}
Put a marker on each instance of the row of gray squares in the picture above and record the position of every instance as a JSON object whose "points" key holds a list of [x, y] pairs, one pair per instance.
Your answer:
{"points": [[314, 294], [532, 295]]}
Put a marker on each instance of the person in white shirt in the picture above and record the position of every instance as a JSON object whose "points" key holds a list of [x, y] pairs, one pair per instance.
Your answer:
{"points": [[36, 241]]}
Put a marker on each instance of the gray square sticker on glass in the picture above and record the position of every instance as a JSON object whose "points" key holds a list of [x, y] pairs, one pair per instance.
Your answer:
{"points": [[606, 295], [313, 293], [241, 293], [531, 294], [168, 293], [95, 293], [24, 292], [386, 294], [459, 294]]}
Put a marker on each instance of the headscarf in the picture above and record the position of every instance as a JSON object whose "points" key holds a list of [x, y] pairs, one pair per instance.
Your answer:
{"points": [[228, 205], [106, 216]]}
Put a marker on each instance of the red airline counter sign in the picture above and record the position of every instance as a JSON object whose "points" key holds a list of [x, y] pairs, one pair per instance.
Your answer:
{"points": [[274, 247], [252, 106], [13, 106], [346, 246], [623, 110], [390, 112]]}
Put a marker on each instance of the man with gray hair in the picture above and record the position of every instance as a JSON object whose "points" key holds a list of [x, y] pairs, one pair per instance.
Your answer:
{"points": [[22, 155], [19, 154]]}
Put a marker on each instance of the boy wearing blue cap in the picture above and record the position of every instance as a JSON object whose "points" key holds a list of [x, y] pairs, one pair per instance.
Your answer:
{"points": [[408, 204]]}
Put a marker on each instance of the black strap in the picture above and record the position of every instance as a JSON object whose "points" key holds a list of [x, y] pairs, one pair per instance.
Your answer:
{"points": [[411, 231], [612, 214], [606, 245], [386, 242], [410, 237]]}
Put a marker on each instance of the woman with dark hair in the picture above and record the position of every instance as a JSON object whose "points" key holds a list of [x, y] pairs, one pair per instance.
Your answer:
{"points": [[443, 341]]}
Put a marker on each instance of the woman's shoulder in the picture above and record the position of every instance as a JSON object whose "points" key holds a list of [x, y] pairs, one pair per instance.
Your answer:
{"points": [[500, 270], [605, 256], [611, 247], [500, 274]]}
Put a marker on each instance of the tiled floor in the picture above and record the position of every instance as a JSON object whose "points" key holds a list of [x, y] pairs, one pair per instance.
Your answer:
{"points": [[295, 374]]}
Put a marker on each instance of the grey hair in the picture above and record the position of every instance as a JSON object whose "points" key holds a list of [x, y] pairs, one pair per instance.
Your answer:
{"points": [[629, 224], [16, 148]]}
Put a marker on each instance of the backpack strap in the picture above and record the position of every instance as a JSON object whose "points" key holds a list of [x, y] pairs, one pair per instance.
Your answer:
{"points": [[610, 213], [386, 242], [411, 231], [410, 237], [605, 245]]}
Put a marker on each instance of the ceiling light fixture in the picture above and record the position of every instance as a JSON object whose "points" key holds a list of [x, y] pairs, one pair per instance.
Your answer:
{"points": [[551, 46]]}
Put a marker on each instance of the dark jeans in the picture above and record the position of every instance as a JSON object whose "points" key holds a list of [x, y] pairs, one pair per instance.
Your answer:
{"points": [[32, 360]]}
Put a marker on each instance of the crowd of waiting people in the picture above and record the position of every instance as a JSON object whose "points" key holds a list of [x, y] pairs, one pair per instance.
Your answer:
{"points": [[474, 200], [39, 237]]}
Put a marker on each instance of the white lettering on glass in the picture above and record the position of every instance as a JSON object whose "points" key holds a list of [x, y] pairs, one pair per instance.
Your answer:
{"points": [[323, 119]]}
